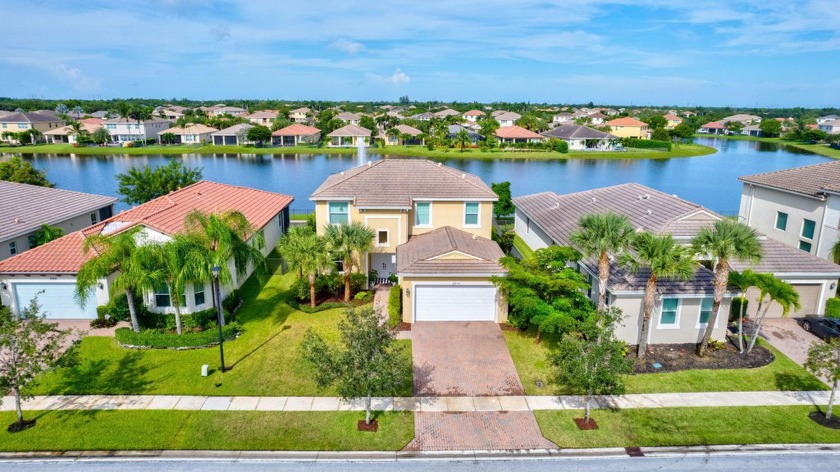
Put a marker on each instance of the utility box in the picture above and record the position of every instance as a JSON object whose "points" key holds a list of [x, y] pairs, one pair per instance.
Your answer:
{"points": [[205, 370]]}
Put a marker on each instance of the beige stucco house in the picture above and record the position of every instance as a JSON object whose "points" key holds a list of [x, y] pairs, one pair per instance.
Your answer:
{"points": [[349, 136], [432, 226], [628, 127], [301, 115], [42, 120]]}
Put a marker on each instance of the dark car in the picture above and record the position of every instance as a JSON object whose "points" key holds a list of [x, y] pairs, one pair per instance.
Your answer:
{"points": [[826, 328]]}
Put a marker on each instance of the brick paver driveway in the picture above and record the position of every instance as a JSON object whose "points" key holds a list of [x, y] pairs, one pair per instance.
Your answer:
{"points": [[786, 335], [477, 431], [462, 359]]}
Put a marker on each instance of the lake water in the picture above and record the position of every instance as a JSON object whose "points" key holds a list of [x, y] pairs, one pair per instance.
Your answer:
{"points": [[710, 180]]}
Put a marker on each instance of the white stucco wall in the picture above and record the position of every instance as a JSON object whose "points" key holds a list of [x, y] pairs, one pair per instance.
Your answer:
{"points": [[69, 225], [686, 331], [830, 227], [759, 208], [533, 236]]}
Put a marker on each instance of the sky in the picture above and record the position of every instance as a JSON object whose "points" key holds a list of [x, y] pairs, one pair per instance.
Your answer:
{"points": [[766, 53]]}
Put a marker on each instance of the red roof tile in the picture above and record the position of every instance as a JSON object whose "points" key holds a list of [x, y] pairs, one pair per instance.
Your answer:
{"points": [[516, 132], [296, 129], [626, 121]]}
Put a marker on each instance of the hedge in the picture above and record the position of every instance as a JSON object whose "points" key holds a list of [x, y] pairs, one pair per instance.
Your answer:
{"points": [[157, 339], [735, 307], [832, 308], [394, 306], [645, 143]]}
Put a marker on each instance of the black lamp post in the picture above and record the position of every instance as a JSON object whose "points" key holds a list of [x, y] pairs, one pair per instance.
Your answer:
{"points": [[218, 296]]}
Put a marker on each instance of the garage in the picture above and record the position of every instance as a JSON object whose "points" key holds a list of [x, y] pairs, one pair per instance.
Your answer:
{"points": [[455, 302], [809, 298], [57, 300]]}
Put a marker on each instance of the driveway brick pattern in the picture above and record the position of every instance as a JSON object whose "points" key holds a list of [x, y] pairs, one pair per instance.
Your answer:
{"points": [[477, 431], [462, 359], [786, 335]]}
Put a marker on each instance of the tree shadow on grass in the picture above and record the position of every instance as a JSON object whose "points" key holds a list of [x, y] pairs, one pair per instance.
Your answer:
{"points": [[104, 376], [797, 382], [260, 346]]}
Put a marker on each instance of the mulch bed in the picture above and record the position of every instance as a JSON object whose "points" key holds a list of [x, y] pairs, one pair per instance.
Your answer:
{"points": [[819, 418], [372, 427], [677, 357], [507, 327], [17, 426], [404, 327], [584, 425]]}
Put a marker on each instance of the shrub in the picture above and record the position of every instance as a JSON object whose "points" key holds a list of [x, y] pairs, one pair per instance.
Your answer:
{"points": [[323, 306], [117, 307], [332, 284], [232, 302], [363, 296], [504, 240], [832, 308], [373, 275], [645, 143], [357, 282], [300, 290], [735, 307], [393, 278], [103, 323], [157, 339], [394, 306]]}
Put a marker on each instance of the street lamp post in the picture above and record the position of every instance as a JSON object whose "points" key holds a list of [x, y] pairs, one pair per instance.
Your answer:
{"points": [[218, 296]]}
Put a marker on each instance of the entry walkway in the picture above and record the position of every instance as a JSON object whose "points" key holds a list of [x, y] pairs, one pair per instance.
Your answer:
{"points": [[418, 404]]}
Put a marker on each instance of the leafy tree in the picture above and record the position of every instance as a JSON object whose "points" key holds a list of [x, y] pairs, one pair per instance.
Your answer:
{"points": [[61, 109], [770, 128], [280, 122], [660, 134], [347, 242], [366, 362], [727, 240], [47, 233], [771, 289], [488, 126], [835, 252], [504, 206], [306, 253], [684, 131], [29, 346], [404, 100], [367, 122], [662, 258], [809, 135], [824, 360], [743, 281], [168, 138], [101, 136], [598, 236], [592, 362], [531, 122], [259, 134], [139, 185], [20, 171], [734, 127]]}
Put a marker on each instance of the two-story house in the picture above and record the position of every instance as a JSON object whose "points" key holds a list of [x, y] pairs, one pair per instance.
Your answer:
{"points": [[301, 115], [432, 226], [42, 120], [628, 127], [123, 130]]}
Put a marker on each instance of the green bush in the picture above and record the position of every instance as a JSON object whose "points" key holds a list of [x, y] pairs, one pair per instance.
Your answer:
{"points": [[332, 284], [117, 307], [231, 303], [504, 240], [645, 143], [394, 306], [363, 296], [735, 307], [357, 282], [201, 320], [832, 308], [163, 340], [300, 290]]}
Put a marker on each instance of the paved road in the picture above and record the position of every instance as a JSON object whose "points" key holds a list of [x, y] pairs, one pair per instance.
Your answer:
{"points": [[759, 462]]}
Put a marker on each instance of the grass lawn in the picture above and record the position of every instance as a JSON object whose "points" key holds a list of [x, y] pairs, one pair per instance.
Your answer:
{"points": [[233, 430], [781, 374], [522, 247], [686, 427], [264, 360], [681, 150]]}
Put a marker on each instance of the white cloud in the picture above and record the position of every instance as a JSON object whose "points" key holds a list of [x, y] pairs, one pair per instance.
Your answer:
{"points": [[397, 78], [350, 47], [75, 77]]}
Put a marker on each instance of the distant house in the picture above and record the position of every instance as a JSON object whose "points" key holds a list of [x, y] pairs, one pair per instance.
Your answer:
{"points": [[349, 118], [751, 130], [399, 139], [171, 114], [596, 118], [193, 133], [447, 112], [295, 134], [224, 110], [235, 135], [581, 138], [454, 130], [507, 118], [17, 122], [712, 127], [64, 135], [628, 127], [349, 136], [830, 127], [743, 119], [473, 115], [517, 134], [125, 130], [422, 116], [301, 115], [672, 121], [826, 118], [563, 118], [262, 117]]}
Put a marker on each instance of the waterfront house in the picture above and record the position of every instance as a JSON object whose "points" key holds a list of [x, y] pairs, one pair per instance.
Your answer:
{"points": [[295, 134], [349, 136], [236, 135], [628, 127], [126, 130], [192, 133], [581, 138]]}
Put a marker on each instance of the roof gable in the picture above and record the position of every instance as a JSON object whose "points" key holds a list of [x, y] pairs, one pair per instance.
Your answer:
{"points": [[449, 250]]}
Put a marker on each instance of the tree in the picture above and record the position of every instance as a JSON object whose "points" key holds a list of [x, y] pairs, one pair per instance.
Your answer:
{"points": [[660, 134], [366, 363], [77, 130], [743, 281], [655, 122], [727, 240], [141, 113], [101, 136], [462, 139], [770, 128], [345, 242], [662, 258], [29, 346], [367, 122], [280, 122], [683, 130], [488, 126], [47, 233], [504, 206], [734, 127], [167, 138], [259, 134], [824, 361], [531, 122], [20, 171], [771, 289], [139, 185], [809, 135], [598, 236], [834, 252], [306, 253], [61, 109], [180, 263], [592, 362]]}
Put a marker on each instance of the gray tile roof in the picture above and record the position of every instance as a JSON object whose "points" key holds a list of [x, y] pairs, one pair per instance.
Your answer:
{"points": [[233, 130], [572, 131], [33, 206], [779, 258], [622, 280], [29, 117], [807, 180], [417, 256], [350, 130], [395, 183]]}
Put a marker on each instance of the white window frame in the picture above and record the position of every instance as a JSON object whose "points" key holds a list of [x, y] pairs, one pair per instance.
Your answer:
{"points": [[330, 213], [13, 248], [676, 324], [477, 215], [203, 293], [427, 225], [802, 230], [387, 237], [700, 325], [776, 222], [805, 241], [156, 293]]}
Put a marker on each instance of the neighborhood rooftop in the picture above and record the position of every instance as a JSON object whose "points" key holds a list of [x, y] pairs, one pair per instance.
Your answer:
{"points": [[572, 131], [813, 180], [422, 254]]}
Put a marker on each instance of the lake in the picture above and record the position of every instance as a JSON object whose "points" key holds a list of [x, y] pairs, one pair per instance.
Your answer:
{"points": [[710, 180]]}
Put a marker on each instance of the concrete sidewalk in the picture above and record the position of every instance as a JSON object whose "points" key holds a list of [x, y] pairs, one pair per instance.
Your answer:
{"points": [[417, 404]]}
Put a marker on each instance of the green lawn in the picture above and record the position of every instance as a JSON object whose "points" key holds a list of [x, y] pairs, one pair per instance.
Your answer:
{"points": [[522, 247], [686, 427], [264, 360], [681, 150], [781, 374], [240, 430]]}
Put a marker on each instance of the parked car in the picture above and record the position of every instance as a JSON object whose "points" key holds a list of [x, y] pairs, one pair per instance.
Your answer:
{"points": [[825, 328]]}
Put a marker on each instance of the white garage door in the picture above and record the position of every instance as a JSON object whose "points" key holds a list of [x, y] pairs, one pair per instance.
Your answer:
{"points": [[56, 300], [455, 303]]}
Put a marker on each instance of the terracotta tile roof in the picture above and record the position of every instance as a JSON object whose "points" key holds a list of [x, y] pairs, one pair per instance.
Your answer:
{"points": [[92, 121], [516, 132], [812, 180], [116, 121], [410, 130], [193, 128], [296, 129], [396, 183], [474, 113], [713, 125], [672, 117], [479, 255], [350, 130], [27, 207], [571, 131], [626, 121], [164, 214]]}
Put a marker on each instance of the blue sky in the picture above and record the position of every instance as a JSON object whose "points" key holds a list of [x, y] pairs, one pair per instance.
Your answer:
{"points": [[765, 53]]}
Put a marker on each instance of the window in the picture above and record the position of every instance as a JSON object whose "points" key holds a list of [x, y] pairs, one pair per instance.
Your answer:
{"points": [[805, 246], [382, 237], [471, 214], [13, 248], [339, 213], [198, 294], [808, 227], [93, 218], [705, 311], [668, 314], [162, 298], [31, 239], [527, 225], [422, 214], [781, 220], [339, 266]]}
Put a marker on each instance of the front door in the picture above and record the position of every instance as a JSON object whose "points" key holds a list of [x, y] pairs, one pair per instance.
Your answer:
{"points": [[384, 264]]}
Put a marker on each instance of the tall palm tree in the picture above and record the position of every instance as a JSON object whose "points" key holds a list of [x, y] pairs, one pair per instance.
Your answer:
{"points": [[600, 234], [289, 247], [124, 110], [310, 257], [727, 240], [743, 281], [346, 242], [120, 254], [772, 289], [664, 259], [175, 259], [393, 133], [77, 130], [462, 139]]}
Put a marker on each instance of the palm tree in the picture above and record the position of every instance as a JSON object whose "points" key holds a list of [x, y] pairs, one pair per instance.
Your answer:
{"points": [[77, 130], [462, 139], [393, 133], [310, 257], [728, 239], [289, 247], [664, 259], [772, 289], [142, 114], [744, 281], [176, 259], [598, 236], [835, 252], [345, 241], [124, 110], [120, 254]]}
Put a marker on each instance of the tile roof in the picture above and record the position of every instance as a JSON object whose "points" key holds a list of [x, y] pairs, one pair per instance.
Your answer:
{"points": [[479, 255], [65, 130], [115, 121], [233, 130], [474, 113], [192, 128], [516, 132], [672, 117], [507, 116], [597, 114], [812, 181], [164, 214], [350, 130], [301, 110], [33, 206], [410, 130], [447, 112], [779, 258], [296, 129], [347, 116], [572, 131], [622, 280], [713, 125], [29, 117], [262, 114], [396, 183], [626, 121]]}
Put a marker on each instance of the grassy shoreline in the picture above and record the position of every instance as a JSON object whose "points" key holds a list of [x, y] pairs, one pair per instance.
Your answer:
{"points": [[821, 149], [680, 150]]}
